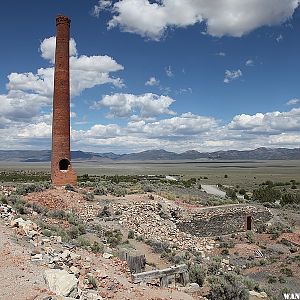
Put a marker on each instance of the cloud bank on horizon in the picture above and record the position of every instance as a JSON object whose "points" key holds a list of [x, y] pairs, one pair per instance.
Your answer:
{"points": [[148, 120]]}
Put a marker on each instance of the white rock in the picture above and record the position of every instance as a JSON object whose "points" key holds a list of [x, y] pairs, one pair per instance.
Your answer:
{"points": [[74, 270], [253, 295], [107, 255], [61, 282], [90, 295], [65, 254], [37, 257], [75, 256]]}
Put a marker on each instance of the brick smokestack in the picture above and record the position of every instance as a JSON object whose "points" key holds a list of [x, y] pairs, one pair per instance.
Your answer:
{"points": [[62, 172]]}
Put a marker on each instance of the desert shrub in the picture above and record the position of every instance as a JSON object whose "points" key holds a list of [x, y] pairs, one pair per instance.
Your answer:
{"points": [[290, 198], [228, 287], [114, 237], [3, 199], [96, 247], [117, 190], [160, 247], [24, 189], [148, 188], [266, 194], [242, 191], [100, 190], [246, 197], [287, 271], [47, 232], [197, 274], [251, 284], [130, 234], [230, 193], [250, 236], [104, 212], [281, 279], [56, 214], [74, 232], [82, 242], [89, 196], [225, 251], [69, 187], [92, 281], [20, 207], [229, 244], [272, 279], [213, 267], [39, 208]]}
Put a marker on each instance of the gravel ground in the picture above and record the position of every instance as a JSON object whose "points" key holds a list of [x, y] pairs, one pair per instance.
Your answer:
{"points": [[20, 279]]}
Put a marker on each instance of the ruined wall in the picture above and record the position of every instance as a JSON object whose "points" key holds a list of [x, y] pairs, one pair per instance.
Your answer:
{"points": [[221, 220]]}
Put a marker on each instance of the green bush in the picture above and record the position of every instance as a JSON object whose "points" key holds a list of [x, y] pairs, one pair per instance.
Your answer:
{"points": [[228, 287], [287, 271], [114, 237], [266, 194], [96, 247], [92, 282], [130, 234], [213, 267], [197, 274], [69, 187], [24, 189], [100, 190]]}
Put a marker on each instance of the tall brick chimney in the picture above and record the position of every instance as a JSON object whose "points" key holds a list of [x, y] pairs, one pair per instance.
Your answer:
{"points": [[62, 172]]}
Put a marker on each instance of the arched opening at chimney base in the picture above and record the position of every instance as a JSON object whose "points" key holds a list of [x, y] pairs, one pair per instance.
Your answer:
{"points": [[64, 164]]}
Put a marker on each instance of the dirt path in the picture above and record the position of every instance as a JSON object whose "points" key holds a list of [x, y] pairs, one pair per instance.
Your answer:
{"points": [[213, 189], [20, 279]]}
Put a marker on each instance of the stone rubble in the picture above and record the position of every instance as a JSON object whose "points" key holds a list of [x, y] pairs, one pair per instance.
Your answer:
{"points": [[144, 218]]}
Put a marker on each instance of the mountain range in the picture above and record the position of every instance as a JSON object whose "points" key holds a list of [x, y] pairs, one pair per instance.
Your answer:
{"points": [[257, 154]]}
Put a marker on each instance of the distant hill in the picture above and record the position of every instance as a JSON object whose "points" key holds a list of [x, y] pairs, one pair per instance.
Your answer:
{"points": [[257, 154]]}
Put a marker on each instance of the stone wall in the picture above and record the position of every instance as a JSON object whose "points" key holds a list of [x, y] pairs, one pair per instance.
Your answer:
{"points": [[221, 220]]}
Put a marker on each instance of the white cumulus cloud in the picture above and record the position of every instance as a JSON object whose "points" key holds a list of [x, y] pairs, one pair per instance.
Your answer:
{"points": [[221, 17], [293, 101], [249, 63], [29, 92], [152, 81], [232, 75], [125, 105]]}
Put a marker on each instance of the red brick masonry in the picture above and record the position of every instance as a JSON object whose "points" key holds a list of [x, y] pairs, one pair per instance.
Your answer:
{"points": [[61, 169]]}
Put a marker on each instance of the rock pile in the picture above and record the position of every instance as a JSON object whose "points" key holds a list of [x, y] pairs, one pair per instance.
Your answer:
{"points": [[152, 221]]}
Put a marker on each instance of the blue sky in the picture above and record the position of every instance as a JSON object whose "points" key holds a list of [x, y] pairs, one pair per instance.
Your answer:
{"points": [[177, 75]]}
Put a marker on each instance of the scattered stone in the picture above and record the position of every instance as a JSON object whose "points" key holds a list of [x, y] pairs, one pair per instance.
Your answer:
{"points": [[192, 288], [37, 257], [65, 254], [75, 270], [29, 228], [61, 282], [253, 295], [75, 256], [107, 255], [90, 295]]}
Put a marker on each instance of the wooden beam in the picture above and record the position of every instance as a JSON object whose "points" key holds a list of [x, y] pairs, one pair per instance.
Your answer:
{"points": [[162, 274]]}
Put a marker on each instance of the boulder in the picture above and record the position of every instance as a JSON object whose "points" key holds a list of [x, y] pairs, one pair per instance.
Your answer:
{"points": [[90, 295], [27, 226], [253, 295], [61, 282]]}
